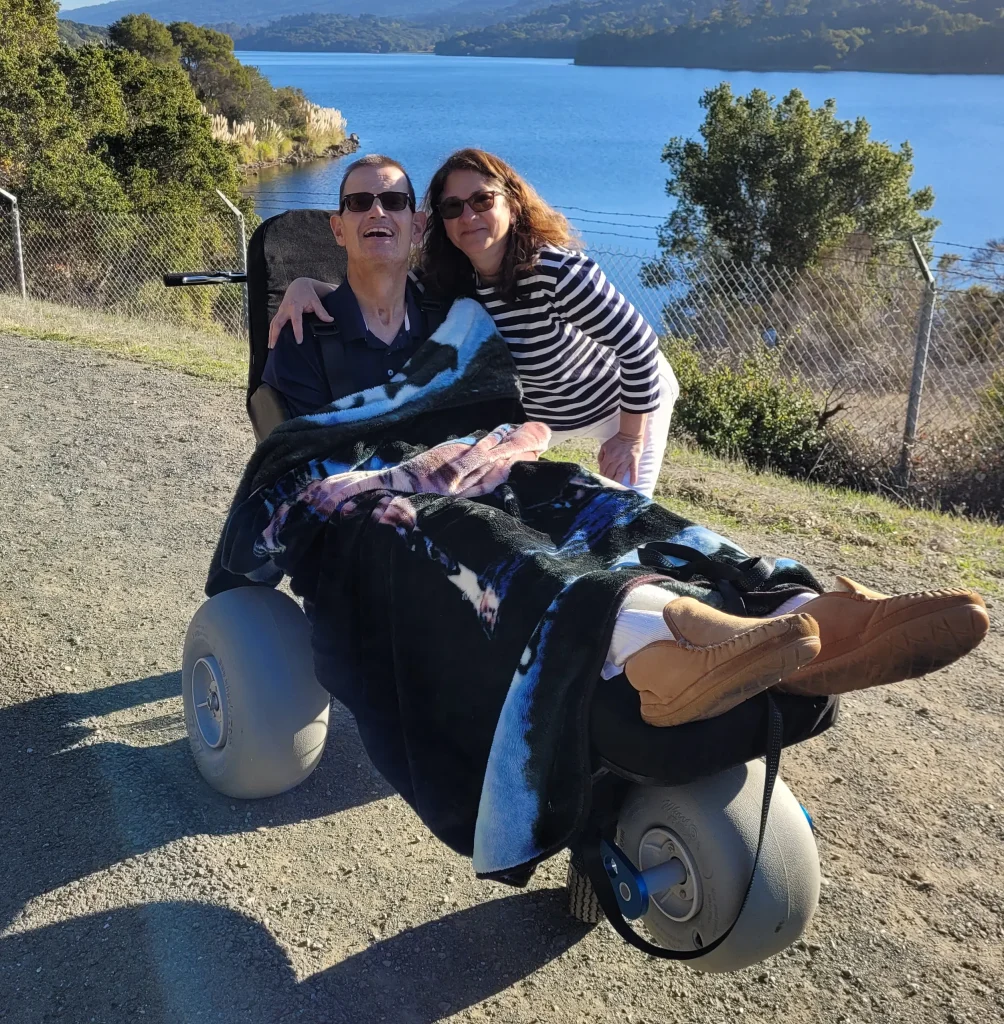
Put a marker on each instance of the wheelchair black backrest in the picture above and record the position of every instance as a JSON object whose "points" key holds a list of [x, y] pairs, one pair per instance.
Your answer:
{"points": [[297, 243]]}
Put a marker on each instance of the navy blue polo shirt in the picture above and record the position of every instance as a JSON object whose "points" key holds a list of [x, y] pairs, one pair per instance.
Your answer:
{"points": [[297, 371]]}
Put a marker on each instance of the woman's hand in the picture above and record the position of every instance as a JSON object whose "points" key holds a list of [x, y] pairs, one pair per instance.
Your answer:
{"points": [[302, 296], [620, 455]]}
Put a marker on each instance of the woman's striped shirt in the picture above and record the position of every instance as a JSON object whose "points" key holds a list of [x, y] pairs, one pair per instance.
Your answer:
{"points": [[582, 350]]}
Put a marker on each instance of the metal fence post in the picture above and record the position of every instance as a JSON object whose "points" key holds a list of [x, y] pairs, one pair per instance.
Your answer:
{"points": [[15, 217], [242, 249], [919, 363]]}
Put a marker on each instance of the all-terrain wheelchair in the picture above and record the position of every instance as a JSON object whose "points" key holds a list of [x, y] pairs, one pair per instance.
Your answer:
{"points": [[691, 833]]}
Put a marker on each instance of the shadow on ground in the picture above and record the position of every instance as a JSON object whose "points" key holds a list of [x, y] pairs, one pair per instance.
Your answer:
{"points": [[79, 803], [192, 962]]}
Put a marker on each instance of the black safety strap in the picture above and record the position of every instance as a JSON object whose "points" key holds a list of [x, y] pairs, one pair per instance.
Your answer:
{"points": [[434, 312], [730, 579], [329, 341], [592, 859], [333, 351]]}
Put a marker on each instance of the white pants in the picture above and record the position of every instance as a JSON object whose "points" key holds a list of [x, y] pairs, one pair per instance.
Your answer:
{"points": [[656, 431]]}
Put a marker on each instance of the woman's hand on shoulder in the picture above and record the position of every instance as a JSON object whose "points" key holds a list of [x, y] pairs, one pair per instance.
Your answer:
{"points": [[303, 295]]}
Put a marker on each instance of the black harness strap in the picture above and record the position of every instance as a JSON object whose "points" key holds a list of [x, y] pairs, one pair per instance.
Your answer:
{"points": [[434, 312], [592, 859], [333, 351], [730, 580], [329, 340]]}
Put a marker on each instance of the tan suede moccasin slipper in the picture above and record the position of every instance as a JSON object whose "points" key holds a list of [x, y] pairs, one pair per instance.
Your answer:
{"points": [[716, 661], [869, 639]]}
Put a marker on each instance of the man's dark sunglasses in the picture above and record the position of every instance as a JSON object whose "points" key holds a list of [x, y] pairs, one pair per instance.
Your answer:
{"points": [[392, 202], [479, 202]]}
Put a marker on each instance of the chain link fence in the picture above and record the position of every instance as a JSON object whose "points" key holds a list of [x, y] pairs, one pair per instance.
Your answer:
{"points": [[115, 262], [906, 369], [8, 270], [908, 378]]}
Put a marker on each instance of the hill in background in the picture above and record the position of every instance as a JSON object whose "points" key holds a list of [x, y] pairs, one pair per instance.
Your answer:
{"points": [[73, 33], [556, 30], [260, 12], [930, 36], [942, 36]]}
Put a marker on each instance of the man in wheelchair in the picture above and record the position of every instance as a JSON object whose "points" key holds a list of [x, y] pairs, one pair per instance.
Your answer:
{"points": [[375, 321], [499, 625]]}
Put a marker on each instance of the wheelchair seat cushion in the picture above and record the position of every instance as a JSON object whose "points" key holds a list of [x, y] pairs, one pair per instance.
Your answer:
{"points": [[631, 748]]}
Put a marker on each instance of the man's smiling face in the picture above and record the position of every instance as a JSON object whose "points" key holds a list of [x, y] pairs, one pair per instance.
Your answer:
{"points": [[377, 235]]}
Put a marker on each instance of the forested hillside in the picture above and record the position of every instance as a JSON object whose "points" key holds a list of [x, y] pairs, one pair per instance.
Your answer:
{"points": [[556, 31], [335, 33], [338, 33], [73, 33], [960, 36], [260, 12]]}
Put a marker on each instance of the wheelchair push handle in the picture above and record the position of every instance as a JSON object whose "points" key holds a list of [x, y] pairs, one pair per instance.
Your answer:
{"points": [[206, 277]]}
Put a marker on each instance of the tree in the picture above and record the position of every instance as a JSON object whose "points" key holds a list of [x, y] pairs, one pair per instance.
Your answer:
{"points": [[782, 185], [733, 15], [145, 36], [977, 311], [221, 82], [44, 152], [94, 91], [990, 260]]}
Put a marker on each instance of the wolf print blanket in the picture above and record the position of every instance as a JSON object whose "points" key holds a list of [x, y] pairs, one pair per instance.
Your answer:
{"points": [[462, 592]]}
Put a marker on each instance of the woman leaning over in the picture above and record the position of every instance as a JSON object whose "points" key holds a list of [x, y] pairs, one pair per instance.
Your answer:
{"points": [[589, 363]]}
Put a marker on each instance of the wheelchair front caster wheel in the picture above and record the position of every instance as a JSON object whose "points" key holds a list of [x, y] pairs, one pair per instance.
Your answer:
{"points": [[257, 719], [709, 829]]}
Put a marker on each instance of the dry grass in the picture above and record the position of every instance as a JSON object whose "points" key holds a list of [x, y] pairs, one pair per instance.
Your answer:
{"points": [[829, 528], [201, 353], [265, 139]]}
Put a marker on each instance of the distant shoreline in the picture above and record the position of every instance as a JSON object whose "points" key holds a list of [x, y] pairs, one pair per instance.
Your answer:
{"points": [[668, 67], [780, 69]]}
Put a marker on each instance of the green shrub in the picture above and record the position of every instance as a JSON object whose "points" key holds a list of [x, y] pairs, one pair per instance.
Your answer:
{"points": [[992, 401], [751, 412]]}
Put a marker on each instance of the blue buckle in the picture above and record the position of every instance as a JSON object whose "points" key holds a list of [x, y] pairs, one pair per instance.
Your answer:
{"points": [[627, 882]]}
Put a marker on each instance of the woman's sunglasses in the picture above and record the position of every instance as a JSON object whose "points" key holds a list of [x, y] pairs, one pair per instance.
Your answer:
{"points": [[392, 202], [479, 202]]}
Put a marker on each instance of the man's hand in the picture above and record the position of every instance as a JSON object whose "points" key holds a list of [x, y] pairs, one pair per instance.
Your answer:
{"points": [[302, 296]]}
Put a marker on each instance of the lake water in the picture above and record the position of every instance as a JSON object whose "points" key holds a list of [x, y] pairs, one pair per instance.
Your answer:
{"points": [[591, 138]]}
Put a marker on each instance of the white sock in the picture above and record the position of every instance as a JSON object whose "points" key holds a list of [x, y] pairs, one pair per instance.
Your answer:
{"points": [[792, 604], [639, 623]]}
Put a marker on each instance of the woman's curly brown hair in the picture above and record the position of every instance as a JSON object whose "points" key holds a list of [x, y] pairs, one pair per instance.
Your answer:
{"points": [[534, 224]]}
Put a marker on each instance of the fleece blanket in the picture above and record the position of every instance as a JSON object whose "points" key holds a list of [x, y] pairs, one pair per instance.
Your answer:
{"points": [[462, 592]]}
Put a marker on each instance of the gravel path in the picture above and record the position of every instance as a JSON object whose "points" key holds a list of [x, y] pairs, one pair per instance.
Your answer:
{"points": [[131, 891]]}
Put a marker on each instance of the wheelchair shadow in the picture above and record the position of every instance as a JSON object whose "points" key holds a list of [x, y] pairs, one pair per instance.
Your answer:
{"points": [[87, 779], [181, 961]]}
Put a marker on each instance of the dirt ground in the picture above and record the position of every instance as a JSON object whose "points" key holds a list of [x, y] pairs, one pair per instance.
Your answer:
{"points": [[131, 891]]}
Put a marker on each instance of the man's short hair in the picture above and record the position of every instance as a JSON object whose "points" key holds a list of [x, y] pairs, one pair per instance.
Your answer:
{"points": [[375, 160]]}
